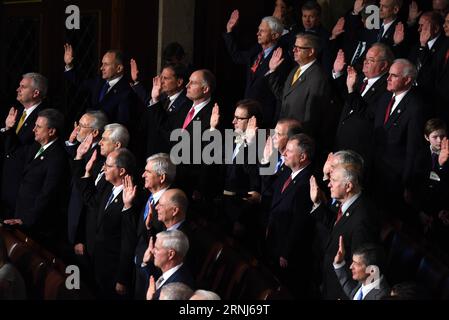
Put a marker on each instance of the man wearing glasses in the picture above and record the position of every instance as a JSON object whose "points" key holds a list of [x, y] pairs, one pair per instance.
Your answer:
{"points": [[306, 95], [362, 94]]}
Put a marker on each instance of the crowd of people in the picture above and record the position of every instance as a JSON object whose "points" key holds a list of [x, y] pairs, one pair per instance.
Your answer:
{"points": [[358, 143]]}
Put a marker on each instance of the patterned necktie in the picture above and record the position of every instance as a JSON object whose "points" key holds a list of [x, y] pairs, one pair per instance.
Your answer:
{"points": [[257, 63], [279, 165], [188, 118], [381, 33], [286, 183], [159, 282], [296, 75], [39, 152], [360, 295], [21, 121], [358, 52], [388, 111], [150, 203], [103, 91]]}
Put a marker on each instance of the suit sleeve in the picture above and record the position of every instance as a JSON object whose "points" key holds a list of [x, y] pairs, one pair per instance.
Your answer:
{"points": [[238, 56], [347, 283]]}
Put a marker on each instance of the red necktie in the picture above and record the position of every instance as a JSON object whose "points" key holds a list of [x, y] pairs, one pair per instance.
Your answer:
{"points": [[286, 183], [388, 111], [257, 62], [363, 86], [339, 215], [188, 118]]}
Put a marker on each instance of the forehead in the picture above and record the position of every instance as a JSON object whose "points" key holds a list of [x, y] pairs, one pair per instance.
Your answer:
{"points": [[25, 82], [396, 68], [357, 258], [168, 72], [106, 134], [111, 157], [109, 57], [373, 52], [240, 110], [300, 41], [439, 132], [86, 118], [41, 121], [149, 165], [264, 26], [196, 76], [281, 127], [309, 13]]}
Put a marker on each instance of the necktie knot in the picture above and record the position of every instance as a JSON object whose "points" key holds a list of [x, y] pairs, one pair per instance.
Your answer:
{"points": [[189, 117], [257, 62], [104, 91], [339, 215], [296, 75], [21, 121], [286, 183], [110, 199], [363, 86], [388, 110]]}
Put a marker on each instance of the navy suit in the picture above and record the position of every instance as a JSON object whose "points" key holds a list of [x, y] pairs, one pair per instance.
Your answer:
{"points": [[182, 275], [120, 103]]}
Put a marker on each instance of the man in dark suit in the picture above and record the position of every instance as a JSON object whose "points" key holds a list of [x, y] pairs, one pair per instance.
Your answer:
{"points": [[355, 221], [110, 93], [167, 100], [388, 12], [194, 176], [90, 126], [398, 132], [169, 251], [17, 136], [289, 225], [366, 281], [43, 186], [306, 94], [257, 59], [115, 226], [355, 127], [159, 175]]}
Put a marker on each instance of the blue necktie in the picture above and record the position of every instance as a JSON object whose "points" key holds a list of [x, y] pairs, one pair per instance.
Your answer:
{"points": [[150, 202], [360, 295], [278, 165], [111, 197], [381, 32], [103, 91]]}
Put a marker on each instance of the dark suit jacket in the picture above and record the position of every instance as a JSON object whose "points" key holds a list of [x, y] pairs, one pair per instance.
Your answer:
{"points": [[289, 223], [182, 275], [350, 286], [441, 85], [42, 195], [257, 86], [355, 127], [358, 226], [14, 159], [120, 103], [114, 247], [398, 142]]}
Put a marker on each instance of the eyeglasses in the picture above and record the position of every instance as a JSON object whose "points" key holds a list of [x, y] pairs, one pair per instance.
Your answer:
{"points": [[240, 118], [370, 60], [301, 48]]}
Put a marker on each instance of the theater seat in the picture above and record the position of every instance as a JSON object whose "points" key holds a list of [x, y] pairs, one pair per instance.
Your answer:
{"points": [[430, 276]]}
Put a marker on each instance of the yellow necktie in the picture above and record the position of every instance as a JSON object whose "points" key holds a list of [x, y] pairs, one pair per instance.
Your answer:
{"points": [[21, 121], [296, 75]]}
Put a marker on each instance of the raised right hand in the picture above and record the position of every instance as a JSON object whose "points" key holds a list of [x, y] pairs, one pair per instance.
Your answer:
{"points": [[339, 63], [413, 12], [338, 29], [11, 118], [215, 116], [351, 79], [90, 163], [233, 20], [68, 54], [134, 70], [399, 35], [148, 255], [157, 89], [340, 256], [276, 59]]}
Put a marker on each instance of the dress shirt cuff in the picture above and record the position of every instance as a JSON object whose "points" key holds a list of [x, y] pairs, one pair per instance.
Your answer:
{"points": [[69, 144], [67, 68], [339, 265], [315, 206], [336, 75]]}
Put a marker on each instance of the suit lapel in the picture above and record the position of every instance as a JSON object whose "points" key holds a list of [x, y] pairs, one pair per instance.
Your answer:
{"points": [[397, 113]]}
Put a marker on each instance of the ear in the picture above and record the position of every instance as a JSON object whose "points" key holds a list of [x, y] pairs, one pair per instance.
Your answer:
{"points": [[206, 89], [162, 178], [180, 82], [117, 145], [408, 81], [122, 172], [171, 254], [427, 138], [36, 93], [52, 132], [396, 9], [95, 133], [120, 68], [175, 211], [275, 35]]}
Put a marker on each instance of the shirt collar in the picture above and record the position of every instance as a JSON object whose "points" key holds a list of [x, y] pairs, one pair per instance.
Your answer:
{"points": [[294, 174], [430, 43], [29, 110], [167, 274], [176, 225], [367, 288], [45, 147], [349, 202], [174, 97], [200, 106], [158, 195], [267, 51], [306, 66], [114, 81]]}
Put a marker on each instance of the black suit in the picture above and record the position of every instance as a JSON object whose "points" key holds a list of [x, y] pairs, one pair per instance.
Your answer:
{"points": [[397, 146], [290, 230], [42, 195], [441, 85], [114, 245], [14, 159], [355, 127], [182, 275], [256, 83], [358, 226]]}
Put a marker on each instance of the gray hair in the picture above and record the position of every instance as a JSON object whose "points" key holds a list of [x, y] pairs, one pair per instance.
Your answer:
{"points": [[353, 158], [162, 164], [176, 240], [99, 120], [206, 295], [209, 80], [175, 291], [179, 200], [409, 69], [274, 24], [385, 52], [39, 82], [350, 174], [119, 133]]}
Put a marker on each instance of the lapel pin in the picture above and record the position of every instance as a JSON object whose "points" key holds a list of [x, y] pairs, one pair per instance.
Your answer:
{"points": [[42, 157], [116, 200], [399, 110], [347, 214], [351, 111]]}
